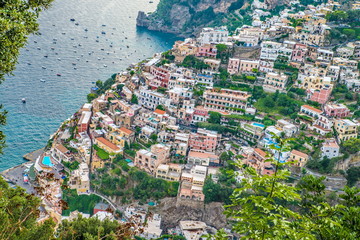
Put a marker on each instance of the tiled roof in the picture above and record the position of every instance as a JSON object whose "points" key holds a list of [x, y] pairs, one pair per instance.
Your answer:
{"points": [[107, 143], [298, 153], [125, 130], [158, 111], [312, 108]]}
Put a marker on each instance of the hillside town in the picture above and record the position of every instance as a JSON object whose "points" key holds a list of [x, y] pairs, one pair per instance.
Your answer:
{"points": [[210, 104]]}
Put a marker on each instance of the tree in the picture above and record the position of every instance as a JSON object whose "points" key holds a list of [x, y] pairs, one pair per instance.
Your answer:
{"points": [[18, 215], [91, 96], [266, 207], [215, 117], [99, 84], [352, 175], [352, 145], [134, 99], [160, 107], [350, 33], [92, 229]]}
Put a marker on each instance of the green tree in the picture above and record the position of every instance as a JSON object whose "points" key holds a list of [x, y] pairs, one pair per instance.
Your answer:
{"points": [[160, 107], [99, 84], [215, 117], [91, 96], [18, 215], [352, 145], [134, 99], [352, 175], [93, 229]]}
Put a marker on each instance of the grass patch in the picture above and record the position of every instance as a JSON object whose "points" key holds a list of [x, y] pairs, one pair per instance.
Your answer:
{"points": [[102, 154]]}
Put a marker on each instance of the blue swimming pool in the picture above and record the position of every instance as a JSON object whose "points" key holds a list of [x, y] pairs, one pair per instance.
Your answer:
{"points": [[258, 125], [47, 161]]}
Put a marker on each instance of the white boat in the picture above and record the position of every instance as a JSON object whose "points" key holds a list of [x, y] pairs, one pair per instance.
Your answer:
{"points": [[23, 100], [42, 80]]}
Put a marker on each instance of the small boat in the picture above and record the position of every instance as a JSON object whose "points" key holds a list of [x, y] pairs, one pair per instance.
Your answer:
{"points": [[43, 67], [89, 53], [72, 38], [58, 74], [45, 56], [35, 41], [23, 100], [42, 80], [52, 48], [73, 63], [59, 59], [103, 25], [149, 38], [72, 19], [54, 39], [125, 37], [127, 46], [103, 32], [97, 40], [86, 30], [56, 53], [102, 49], [38, 48], [77, 24], [28, 63], [99, 58], [74, 51], [63, 33], [54, 42], [110, 45], [150, 1], [105, 65], [75, 68], [79, 45]]}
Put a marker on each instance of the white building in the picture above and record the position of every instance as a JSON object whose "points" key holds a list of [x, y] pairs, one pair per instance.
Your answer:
{"points": [[330, 148], [213, 35]]}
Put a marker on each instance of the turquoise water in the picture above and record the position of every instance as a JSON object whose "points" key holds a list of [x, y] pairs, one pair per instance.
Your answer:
{"points": [[51, 99], [258, 125], [47, 161]]}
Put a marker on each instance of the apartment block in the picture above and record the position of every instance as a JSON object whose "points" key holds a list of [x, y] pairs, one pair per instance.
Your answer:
{"points": [[150, 160], [346, 129]]}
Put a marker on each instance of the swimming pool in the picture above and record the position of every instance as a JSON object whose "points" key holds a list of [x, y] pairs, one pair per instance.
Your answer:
{"points": [[258, 125], [47, 161]]}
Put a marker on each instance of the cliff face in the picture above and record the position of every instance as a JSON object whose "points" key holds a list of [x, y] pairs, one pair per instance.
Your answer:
{"points": [[185, 17]]}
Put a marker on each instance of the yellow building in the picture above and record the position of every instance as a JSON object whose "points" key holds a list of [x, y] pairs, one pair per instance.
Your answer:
{"points": [[170, 172], [346, 129], [300, 158], [107, 145]]}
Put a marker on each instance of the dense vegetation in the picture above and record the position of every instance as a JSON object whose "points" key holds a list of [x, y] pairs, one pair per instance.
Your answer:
{"points": [[82, 203]]}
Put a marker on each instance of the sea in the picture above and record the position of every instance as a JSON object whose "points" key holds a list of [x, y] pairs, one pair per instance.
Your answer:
{"points": [[83, 41]]}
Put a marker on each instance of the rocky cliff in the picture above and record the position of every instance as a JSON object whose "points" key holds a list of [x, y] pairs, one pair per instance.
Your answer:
{"points": [[186, 17]]}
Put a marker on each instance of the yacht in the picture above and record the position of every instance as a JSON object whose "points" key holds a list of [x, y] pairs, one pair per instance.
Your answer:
{"points": [[23, 100]]}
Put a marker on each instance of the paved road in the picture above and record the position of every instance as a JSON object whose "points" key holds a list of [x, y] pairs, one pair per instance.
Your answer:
{"points": [[15, 175], [320, 175]]}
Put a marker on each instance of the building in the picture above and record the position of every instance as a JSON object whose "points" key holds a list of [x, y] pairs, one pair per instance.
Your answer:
{"points": [[213, 35], [299, 53], [101, 207], [345, 129], [61, 153], [225, 100], [203, 158], [150, 160], [257, 160], [107, 145], [330, 149], [233, 66], [84, 121], [288, 128], [299, 157], [310, 111], [169, 172], [336, 110], [207, 50], [275, 81], [321, 96], [192, 230], [150, 99], [152, 230], [79, 179], [247, 66], [203, 139]]}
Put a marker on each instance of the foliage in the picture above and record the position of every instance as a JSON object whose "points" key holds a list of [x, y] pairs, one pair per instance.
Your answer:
{"points": [[161, 107], [214, 192], [92, 229], [91, 96], [71, 165], [102, 154], [18, 215], [352, 175], [82, 203], [351, 146], [134, 99], [151, 188], [215, 117], [192, 62], [325, 165], [265, 207]]}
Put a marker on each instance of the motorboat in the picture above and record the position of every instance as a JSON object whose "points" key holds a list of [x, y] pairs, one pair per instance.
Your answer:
{"points": [[23, 100]]}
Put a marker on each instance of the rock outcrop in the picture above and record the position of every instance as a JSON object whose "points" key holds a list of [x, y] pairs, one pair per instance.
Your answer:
{"points": [[185, 17]]}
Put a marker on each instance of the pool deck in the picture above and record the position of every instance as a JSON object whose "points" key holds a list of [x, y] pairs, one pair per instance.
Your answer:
{"points": [[34, 155]]}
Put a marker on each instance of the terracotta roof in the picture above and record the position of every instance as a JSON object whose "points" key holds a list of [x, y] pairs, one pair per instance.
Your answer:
{"points": [[201, 155], [107, 143], [312, 108], [260, 152], [61, 148], [158, 111], [298, 153], [125, 130]]}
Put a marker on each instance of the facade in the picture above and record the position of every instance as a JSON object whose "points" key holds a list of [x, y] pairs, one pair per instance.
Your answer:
{"points": [[150, 160], [225, 100], [336, 110], [275, 81], [203, 158], [204, 140], [84, 121], [107, 145], [150, 99], [310, 111], [300, 158], [233, 66], [169, 172], [346, 129], [213, 35], [247, 66], [330, 149], [79, 179]]}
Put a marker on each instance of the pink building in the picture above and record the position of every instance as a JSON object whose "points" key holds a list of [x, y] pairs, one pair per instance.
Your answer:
{"points": [[150, 160], [207, 50], [320, 96], [200, 114], [248, 65], [257, 160], [160, 74], [204, 140], [336, 110], [299, 53], [233, 66]]}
